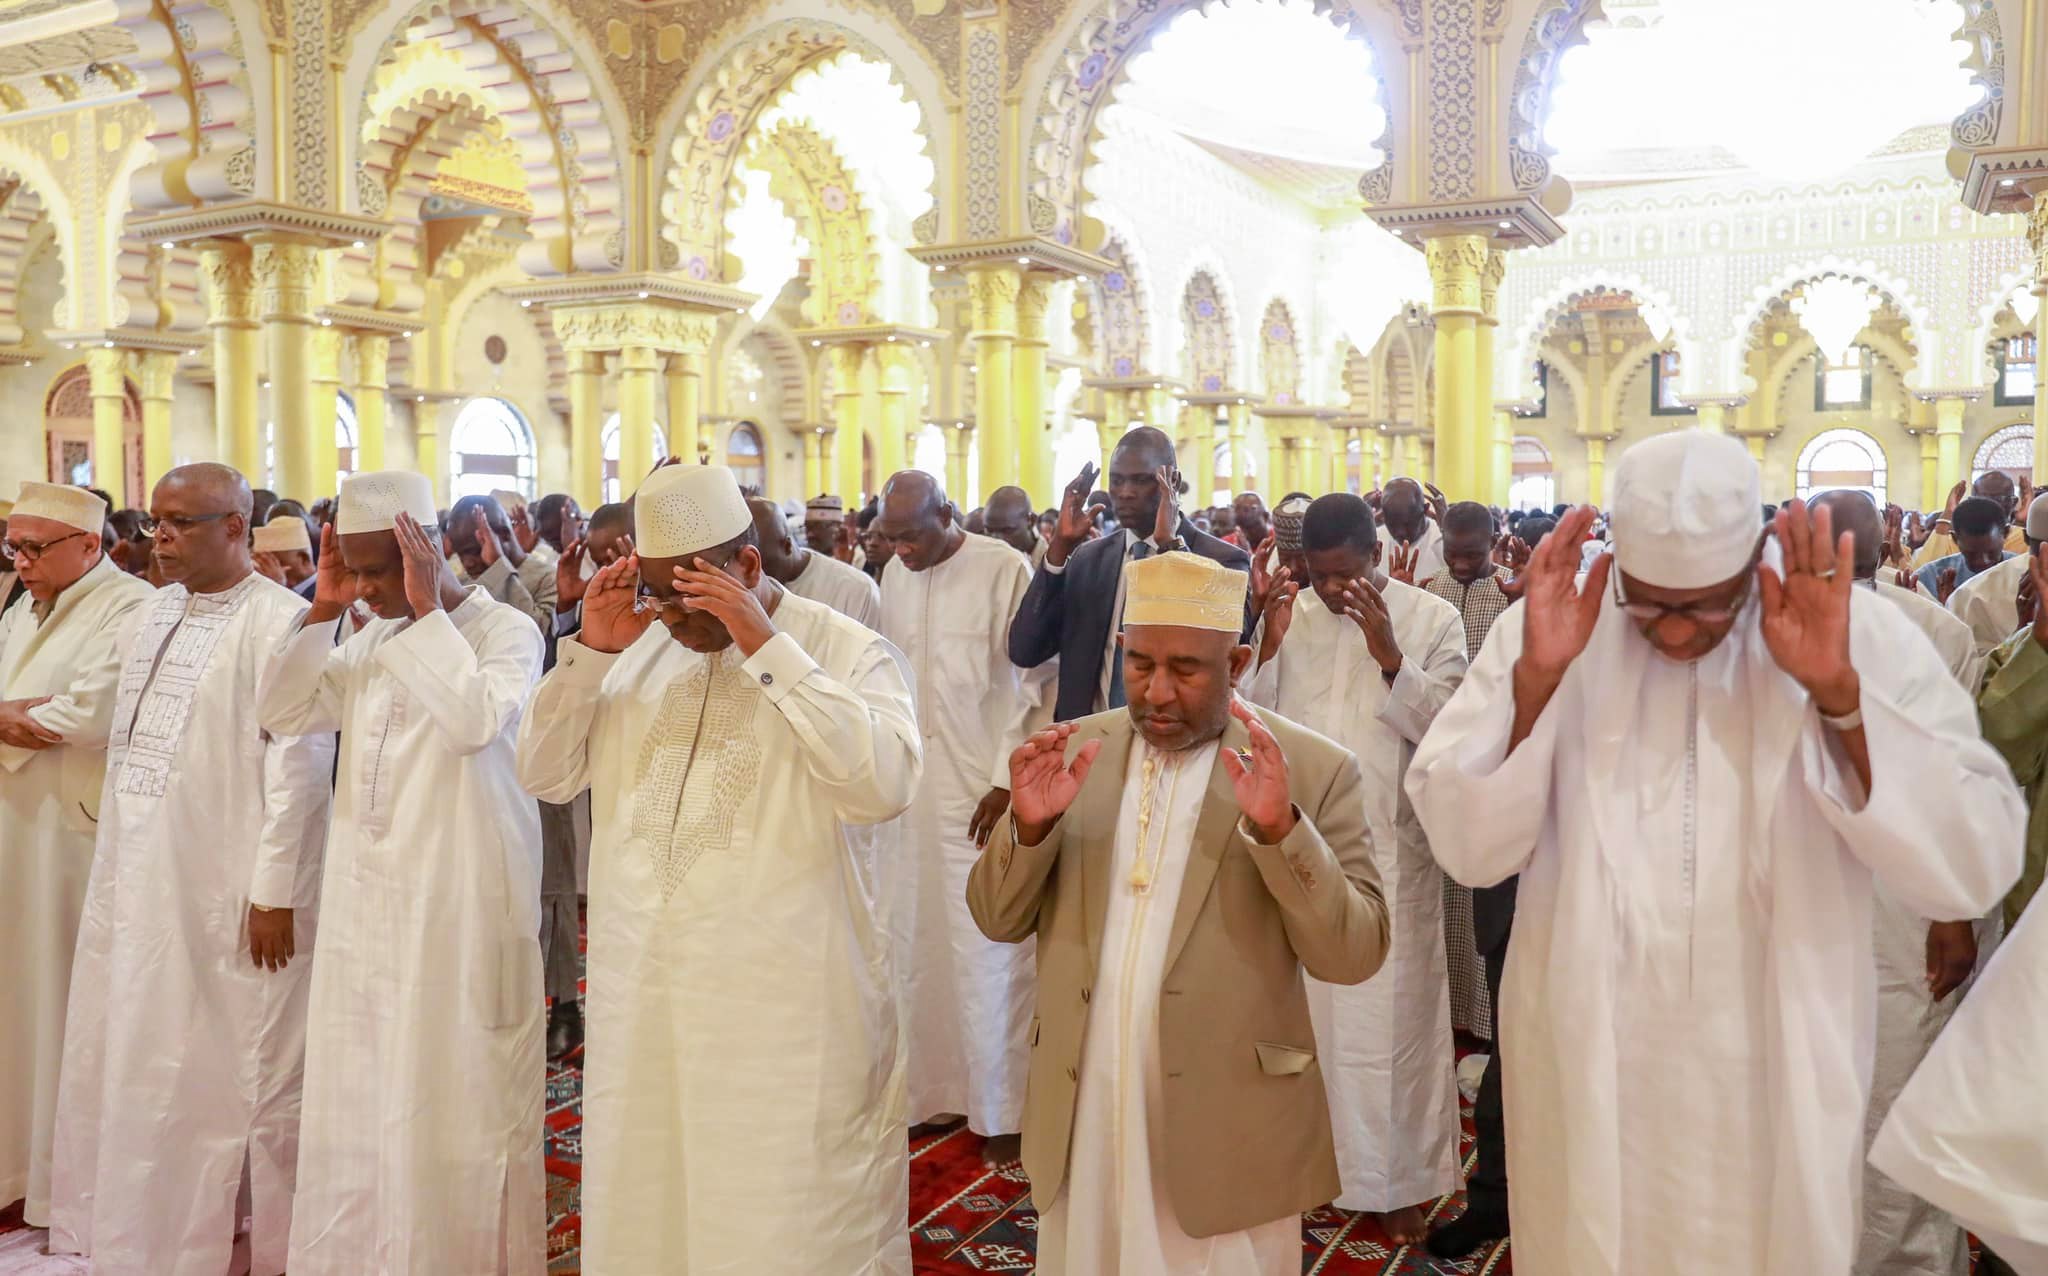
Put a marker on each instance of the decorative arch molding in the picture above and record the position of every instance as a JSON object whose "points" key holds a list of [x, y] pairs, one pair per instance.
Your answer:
{"points": [[1897, 355], [808, 177], [533, 68], [1895, 289], [1558, 26], [1085, 63], [1977, 127], [1631, 364], [713, 117], [1563, 370], [784, 363], [1984, 337], [22, 226], [1208, 340], [1515, 380], [1121, 300], [1279, 354], [193, 72]]}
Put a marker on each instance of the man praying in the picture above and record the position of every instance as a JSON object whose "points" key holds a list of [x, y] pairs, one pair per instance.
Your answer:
{"points": [[813, 573], [1417, 553], [481, 539], [1980, 546], [1010, 518]]}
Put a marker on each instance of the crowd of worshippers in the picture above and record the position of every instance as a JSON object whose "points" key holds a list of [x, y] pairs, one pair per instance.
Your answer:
{"points": [[1196, 857]]}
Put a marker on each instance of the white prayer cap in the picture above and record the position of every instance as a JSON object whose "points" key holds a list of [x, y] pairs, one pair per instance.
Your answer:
{"points": [[508, 500], [2037, 518], [71, 506], [372, 502], [287, 535], [686, 509], [1687, 510]]}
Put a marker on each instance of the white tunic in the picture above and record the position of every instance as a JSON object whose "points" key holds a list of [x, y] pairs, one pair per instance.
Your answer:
{"points": [[1688, 1010], [966, 1001], [1111, 1218], [49, 802], [1986, 603], [420, 1143], [846, 590], [744, 1078], [1970, 1130], [204, 814], [1386, 1043]]}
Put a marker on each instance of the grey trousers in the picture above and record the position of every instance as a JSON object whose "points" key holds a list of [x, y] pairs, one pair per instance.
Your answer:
{"points": [[561, 962]]}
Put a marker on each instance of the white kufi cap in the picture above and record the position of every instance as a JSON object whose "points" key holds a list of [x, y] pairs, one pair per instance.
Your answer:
{"points": [[60, 503], [372, 502], [686, 509], [1687, 510]]}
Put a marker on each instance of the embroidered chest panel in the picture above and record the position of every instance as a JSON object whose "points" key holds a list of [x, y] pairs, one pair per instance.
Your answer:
{"points": [[159, 682], [699, 763]]}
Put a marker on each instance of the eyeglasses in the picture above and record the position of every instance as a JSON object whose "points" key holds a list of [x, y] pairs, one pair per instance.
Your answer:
{"points": [[1649, 614], [179, 523], [29, 551]]}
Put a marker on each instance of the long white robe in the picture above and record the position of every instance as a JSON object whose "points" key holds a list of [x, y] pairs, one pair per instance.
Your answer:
{"points": [[966, 1001], [1385, 1044], [1987, 604], [1689, 1003], [846, 590], [1111, 1218], [420, 1143], [182, 1059], [49, 802], [1970, 1130], [1903, 1235], [743, 1083]]}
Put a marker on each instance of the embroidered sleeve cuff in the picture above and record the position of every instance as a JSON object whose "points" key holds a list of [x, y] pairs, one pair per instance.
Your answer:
{"points": [[582, 666], [778, 667]]}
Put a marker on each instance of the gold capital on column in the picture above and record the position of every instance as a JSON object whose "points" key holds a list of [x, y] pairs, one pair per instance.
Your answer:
{"points": [[107, 369], [372, 394], [157, 371], [228, 267], [286, 271]]}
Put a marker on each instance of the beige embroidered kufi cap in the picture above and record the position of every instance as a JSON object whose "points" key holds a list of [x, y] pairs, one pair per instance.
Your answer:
{"points": [[71, 506], [372, 502], [285, 536], [1187, 590]]}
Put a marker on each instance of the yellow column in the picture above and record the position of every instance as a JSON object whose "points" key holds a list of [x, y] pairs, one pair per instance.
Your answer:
{"points": [[1596, 471], [1412, 462], [1456, 266], [1948, 451], [1713, 418], [1756, 447], [286, 269], [813, 445], [993, 291], [1027, 376], [894, 452], [426, 435], [156, 370], [850, 430], [108, 368], [957, 444], [1278, 475], [639, 370], [685, 405], [1340, 461], [1502, 471], [325, 393], [1240, 461], [231, 313], [1931, 495], [1116, 418], [373, 397], [586, 427], [1496, 457]]}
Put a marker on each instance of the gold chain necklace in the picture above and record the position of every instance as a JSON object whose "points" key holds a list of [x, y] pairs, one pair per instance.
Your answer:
{"points": [[1145, 871]]}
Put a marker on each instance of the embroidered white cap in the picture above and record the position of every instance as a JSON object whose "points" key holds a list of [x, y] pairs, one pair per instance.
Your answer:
{"points": [[60, 503], [285, 535], [1687, 511], [372, 502], [684, 509]]}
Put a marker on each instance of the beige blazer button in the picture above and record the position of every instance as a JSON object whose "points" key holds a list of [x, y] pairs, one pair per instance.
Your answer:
{"points": [[1072, 1073], [1084, 995]]}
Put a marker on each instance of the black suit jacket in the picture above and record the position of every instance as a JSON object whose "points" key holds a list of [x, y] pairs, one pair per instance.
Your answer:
{"points": [[1069, 614]]}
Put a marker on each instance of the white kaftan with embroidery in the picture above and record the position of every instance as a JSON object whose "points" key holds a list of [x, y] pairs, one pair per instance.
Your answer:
{"points": [[1386, 1043], [49, 807], [420, 1143], [1111, 1218], [966, 1001], [181, 1057], [743, 1083]]}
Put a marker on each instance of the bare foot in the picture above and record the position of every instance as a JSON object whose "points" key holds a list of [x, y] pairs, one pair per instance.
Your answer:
{"points": [[1002, 1149], [1404, 1226]]}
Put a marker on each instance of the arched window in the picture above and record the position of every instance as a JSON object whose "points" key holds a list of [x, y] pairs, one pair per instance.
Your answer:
{"points": [[1839, 460], [1534, 485], [344, 439], [2010, 449], [610, 440], [490, 447], [746, 458]]}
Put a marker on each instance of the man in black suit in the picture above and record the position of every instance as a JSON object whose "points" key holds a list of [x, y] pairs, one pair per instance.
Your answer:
{"points": [[1075, 604]]}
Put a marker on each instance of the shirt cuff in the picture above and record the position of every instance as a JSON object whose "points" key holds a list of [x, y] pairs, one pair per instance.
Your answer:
{"points": [[778, 666], [582, 666], [1051, 568], [1245, 831], [272, 885]]}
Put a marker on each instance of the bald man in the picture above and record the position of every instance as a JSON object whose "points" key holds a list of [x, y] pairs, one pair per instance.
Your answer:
{"points": [[1924, 966], [1417, 553], [808, 573], [206, 817], [947, 599], [1009, 518]]}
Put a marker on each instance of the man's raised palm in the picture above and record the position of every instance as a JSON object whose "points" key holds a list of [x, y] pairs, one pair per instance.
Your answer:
{"points": [[1042, 783], [1561, 615]]}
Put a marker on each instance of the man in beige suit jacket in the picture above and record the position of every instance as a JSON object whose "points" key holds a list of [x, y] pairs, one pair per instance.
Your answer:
{"points": [[1274, 875]]}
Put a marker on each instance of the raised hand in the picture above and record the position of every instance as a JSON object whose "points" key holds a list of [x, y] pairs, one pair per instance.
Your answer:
{"points": [[486, 539], [1906, 578], [1512, 553], [1043, 784], [1945, 585], [1262, 576], [986, 814], [267, 566], [1894, 535], [1806, 607], [705, 588], [1367, 608], [2030, 593], [1439, 505], [1561, 614], [569, 582], [1075, 522], [425, 567], [523, 529], [1278, 611], [1955, 498], [613, 618], [1401, 562], [1259, 779], [334, 585], [1167, 525]]}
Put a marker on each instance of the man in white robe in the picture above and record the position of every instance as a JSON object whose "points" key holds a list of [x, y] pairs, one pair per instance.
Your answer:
{"points": [[1683, 777], [947, 599], [60, 659], [1989, 602], [811, 573], [1369, 661], [1923, 967], [1416, 553], [186, 1033], [420, 1142], [743, 1083]]}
